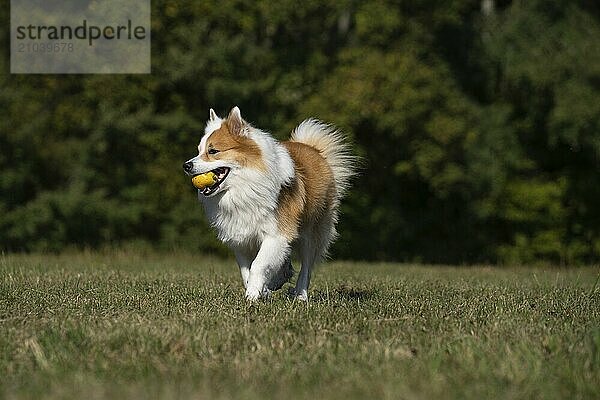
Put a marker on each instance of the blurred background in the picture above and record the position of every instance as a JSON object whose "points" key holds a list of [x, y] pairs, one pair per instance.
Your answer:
{"points": [[478, 122]]}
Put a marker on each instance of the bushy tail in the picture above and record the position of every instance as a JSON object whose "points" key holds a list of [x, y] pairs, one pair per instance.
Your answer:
{"points": [[332, 145]]}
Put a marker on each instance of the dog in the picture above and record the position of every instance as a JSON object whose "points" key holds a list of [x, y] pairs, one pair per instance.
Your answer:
{"points": [[270, 197]]}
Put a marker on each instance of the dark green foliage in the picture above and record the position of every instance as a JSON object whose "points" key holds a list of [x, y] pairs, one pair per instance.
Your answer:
{"points": [[480, 133]]}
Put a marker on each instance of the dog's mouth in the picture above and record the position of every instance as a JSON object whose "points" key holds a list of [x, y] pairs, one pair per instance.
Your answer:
{"points": [[220, 175]]}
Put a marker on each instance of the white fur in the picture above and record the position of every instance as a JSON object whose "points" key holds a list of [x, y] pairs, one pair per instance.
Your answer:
{"points": [[244, 209]]}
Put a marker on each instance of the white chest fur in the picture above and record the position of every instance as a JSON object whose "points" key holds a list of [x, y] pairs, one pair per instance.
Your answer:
{"points": [[244, 214]]}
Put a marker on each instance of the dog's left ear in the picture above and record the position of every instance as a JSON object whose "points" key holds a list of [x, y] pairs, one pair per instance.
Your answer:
{"points": [[212, 115], [235, 122]]}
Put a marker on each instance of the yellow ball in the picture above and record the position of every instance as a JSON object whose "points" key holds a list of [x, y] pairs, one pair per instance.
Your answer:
{"points": [[203, 181]]}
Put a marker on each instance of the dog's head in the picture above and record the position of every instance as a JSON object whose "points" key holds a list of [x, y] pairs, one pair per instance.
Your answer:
{"points": [[225, 149]]}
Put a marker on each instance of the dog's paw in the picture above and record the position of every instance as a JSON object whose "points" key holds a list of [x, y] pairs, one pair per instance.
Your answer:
{"points": [[254, 294]]}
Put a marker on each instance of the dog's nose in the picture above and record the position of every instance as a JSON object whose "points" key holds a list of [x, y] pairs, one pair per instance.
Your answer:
{"points": [[187, 166]]}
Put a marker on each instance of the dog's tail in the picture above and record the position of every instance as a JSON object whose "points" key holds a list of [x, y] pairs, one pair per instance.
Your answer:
{"points": [[331, 144]]}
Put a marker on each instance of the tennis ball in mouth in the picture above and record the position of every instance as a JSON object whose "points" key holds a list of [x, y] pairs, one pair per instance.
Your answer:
{"points": [[203, 181]]}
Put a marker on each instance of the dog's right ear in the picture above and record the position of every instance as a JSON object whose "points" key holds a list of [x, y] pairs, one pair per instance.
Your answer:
{"points": [[212, 115], [235, 122]]}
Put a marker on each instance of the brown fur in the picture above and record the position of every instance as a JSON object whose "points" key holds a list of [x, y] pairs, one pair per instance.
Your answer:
{"points": [[310, 194], [233, 147]]}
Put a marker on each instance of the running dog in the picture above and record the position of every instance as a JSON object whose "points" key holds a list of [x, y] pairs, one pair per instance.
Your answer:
{"points": [[269, 197]]}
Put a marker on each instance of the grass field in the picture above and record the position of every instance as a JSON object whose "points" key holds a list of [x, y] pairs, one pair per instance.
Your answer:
{"points": [[125, 325]]}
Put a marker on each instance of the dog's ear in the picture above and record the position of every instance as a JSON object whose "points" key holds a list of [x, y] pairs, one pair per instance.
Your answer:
{"points": [[212, 115], [235, 122]]}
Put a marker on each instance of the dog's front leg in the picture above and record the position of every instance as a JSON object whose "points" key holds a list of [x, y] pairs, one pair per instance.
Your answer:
{"points": [[244, 259], [273, 252]]}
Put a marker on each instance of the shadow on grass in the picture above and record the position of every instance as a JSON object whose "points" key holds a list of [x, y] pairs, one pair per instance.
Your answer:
{"points": [[344, 292]]}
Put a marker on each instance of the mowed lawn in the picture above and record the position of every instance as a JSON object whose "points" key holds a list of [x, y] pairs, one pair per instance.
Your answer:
{"points": [[129, 325]]}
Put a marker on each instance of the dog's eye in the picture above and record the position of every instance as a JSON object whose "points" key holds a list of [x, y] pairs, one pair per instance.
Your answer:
{"points": [[213, 151]]}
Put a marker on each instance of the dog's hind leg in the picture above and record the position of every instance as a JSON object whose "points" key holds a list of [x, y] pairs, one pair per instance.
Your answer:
{"points": [[313, 247], [283, 276], [308, 256]]}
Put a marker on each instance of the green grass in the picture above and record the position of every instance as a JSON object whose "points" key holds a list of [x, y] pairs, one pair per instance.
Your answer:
{"points": [[123, 325]]}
